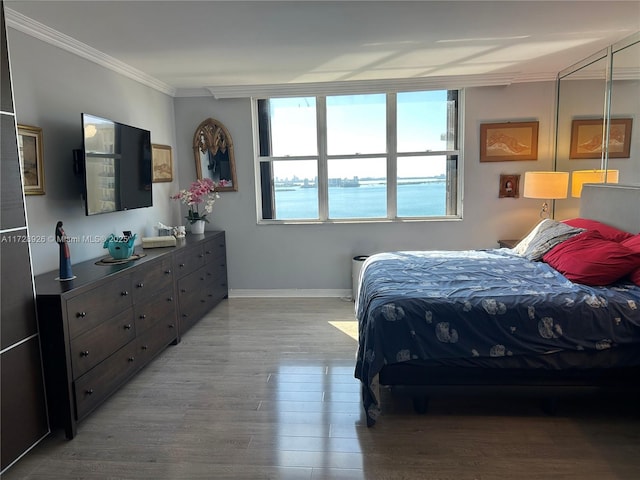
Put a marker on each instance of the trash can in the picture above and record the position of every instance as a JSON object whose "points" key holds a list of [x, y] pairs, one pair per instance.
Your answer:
{"points": [[356, 267]]}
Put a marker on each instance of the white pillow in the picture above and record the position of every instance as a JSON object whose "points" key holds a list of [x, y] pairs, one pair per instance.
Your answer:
{"points": [[546, 235]]}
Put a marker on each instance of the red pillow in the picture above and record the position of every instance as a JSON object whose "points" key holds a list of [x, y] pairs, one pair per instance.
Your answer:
{"points": [[607, 231], [634, 244], [591, 259]]}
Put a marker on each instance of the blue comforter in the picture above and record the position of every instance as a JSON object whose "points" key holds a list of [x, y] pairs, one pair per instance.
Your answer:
{"points": [[439, 305]]}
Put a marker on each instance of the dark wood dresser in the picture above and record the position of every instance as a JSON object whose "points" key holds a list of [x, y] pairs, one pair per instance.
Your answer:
{"points": [[101, 328]]}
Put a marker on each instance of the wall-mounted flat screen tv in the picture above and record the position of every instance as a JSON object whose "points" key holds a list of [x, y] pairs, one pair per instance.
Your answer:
{"points": [[117, 166]]}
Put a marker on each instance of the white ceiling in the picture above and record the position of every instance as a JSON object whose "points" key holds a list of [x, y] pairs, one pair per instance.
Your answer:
{"points": [[186, 47]]}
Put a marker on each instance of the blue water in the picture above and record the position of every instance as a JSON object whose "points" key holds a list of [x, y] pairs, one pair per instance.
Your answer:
{"points": [[366, 201]]}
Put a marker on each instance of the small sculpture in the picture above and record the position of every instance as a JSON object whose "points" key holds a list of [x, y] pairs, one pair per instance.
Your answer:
{"points": [[65, 255]]}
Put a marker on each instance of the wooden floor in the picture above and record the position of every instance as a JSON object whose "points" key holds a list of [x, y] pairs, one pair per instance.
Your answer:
{"points": [[264, 389]]}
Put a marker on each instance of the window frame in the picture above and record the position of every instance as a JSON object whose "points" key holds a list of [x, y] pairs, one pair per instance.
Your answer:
{"points": [[455, 190]]}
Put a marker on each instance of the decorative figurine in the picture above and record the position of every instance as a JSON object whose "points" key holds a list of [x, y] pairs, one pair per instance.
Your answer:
{"points": [[65, 255]]}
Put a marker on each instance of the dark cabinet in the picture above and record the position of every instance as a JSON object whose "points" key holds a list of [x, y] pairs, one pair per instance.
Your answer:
{"points": [[101, 328], [16, 294], [202, 280], [23, 416]]}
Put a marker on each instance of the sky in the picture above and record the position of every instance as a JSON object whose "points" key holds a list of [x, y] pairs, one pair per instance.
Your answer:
{"points": [[356, 124]]}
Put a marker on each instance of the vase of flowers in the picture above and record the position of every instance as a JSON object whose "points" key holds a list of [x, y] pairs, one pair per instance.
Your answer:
{"points": [[201, 192]]}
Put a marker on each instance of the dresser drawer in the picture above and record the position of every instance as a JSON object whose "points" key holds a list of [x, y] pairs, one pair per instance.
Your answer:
{"points": [[153, 341], [188, 260], [215, 286], [98, 383], [90, 348], [215, 249], [162, 307], [151, 278], [89, 309], [191, 288]]}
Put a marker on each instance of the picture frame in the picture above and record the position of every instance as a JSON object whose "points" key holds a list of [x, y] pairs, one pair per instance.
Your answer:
{"points": [[30, 151], [586, 138], [162, 163], [510, 141], [213, 154], [509, 186]]}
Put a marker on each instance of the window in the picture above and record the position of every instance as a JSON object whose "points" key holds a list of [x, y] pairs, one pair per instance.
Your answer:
{"points": [[358, 157]]}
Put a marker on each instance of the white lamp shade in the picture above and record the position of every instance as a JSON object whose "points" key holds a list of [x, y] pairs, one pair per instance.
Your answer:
{"points": [[580, 177], [546, 185]]}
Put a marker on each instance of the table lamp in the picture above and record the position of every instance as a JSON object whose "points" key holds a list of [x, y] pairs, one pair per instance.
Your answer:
{"points": [[546, 185], [580, 177]]}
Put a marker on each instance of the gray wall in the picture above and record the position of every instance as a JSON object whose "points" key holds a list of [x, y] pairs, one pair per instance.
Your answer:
{"points": [[290, 257], [262, 259], [52, 87]]}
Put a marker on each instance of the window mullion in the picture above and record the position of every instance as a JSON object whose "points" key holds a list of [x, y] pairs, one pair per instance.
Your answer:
{"points": [[323, 169], [392, 157]]}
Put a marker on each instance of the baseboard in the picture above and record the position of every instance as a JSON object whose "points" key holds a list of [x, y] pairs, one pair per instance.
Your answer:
{"points": [[289, 292]]}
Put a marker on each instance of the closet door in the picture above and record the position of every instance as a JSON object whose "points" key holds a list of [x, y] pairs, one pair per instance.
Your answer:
{"points": [[23, 416]]}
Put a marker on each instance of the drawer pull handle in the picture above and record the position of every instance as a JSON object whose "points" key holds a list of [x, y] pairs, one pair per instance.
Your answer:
{"points": [[208, 252], [128, 326], [181, 265], [167, 271], [171, 325], [81, 314], [131, 359], [89, 391], [170, 299], [185, 315], [200, 255], [124, 293], [183, 290], [84, 353], [140, 285], [141, 317], [144, 347]]}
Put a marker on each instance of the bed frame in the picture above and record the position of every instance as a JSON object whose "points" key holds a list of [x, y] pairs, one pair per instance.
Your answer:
{"points": [[616, 205]]}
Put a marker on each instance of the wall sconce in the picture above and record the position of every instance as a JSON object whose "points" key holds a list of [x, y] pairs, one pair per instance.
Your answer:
{"points": [[580, 177], [546, 185]]}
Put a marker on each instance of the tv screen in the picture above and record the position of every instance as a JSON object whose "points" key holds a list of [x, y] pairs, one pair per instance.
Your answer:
{"points": [[117, 166]]}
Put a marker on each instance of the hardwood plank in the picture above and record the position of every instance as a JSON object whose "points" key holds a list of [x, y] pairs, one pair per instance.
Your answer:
{"points": [[264, 389]]}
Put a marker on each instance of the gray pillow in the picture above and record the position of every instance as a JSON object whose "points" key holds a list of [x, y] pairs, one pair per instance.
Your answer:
{"points": [[546, 235]]}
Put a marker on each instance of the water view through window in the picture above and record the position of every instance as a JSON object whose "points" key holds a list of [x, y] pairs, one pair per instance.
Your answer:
{"points": [[348, 139]]}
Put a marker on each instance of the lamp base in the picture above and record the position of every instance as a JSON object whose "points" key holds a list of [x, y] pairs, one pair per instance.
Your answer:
{"points": [[544, 212]]}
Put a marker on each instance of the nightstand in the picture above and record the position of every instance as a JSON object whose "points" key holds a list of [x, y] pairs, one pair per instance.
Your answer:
{"points": [[508, 243]]}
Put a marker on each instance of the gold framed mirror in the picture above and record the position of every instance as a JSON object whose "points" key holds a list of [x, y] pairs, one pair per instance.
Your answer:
{"points": [[213, 154]]}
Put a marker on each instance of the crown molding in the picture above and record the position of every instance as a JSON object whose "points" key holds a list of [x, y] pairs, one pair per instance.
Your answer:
{"points": [[53, 37], [536, 77], [192, 92], [362, 86]]}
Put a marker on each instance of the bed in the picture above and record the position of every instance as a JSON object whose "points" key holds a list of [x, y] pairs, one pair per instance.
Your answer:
{"points": [[525, 318]]}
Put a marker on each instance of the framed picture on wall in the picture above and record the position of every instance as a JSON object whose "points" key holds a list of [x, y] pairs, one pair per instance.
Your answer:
{"points": [[586, 138], [509, 186], [162, 161], [502, 142], [31, 162]]}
